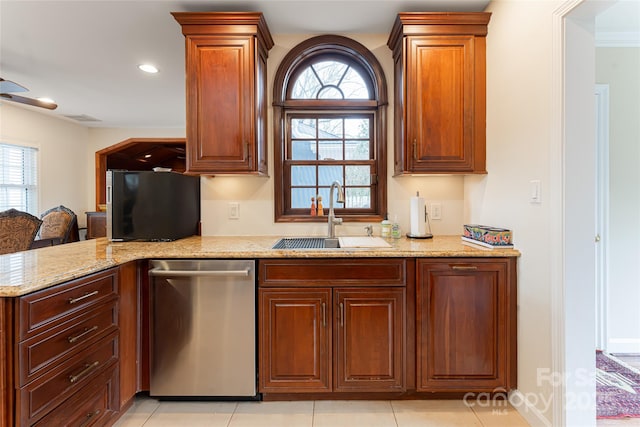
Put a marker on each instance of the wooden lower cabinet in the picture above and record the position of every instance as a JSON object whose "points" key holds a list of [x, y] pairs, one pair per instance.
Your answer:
{"points": [[369, 339], [94, 405], [59, 349], [466, 324], [129, 325], [323, 340], [295, 340], [6, 364], [317, 336]]}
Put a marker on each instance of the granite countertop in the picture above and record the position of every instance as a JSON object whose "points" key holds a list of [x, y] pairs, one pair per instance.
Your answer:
{"points": [[25, 272]]}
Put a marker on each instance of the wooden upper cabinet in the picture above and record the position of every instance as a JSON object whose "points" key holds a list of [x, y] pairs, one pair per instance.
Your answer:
{"points": [[440, 92], [226, 67]]}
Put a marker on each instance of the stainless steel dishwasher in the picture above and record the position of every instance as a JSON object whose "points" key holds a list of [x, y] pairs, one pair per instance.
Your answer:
{"points": [[203, 340]]}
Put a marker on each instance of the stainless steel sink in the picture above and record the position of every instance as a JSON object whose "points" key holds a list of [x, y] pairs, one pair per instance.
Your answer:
{"points": [[306, 243]]}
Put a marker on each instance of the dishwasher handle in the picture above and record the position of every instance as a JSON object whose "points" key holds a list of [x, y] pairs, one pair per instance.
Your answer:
{"points": [[199, 273]]}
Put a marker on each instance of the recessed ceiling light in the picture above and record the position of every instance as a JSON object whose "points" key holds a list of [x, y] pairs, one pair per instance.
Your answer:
{"points": [[46, 100], [148, 68]]}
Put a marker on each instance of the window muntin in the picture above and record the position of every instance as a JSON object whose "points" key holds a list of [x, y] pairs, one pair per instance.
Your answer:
{"points": [[330, 79], [323, 148], [18, 178]]}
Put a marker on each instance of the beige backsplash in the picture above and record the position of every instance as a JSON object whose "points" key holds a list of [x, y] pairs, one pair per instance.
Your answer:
{"points": [[255, 198]]}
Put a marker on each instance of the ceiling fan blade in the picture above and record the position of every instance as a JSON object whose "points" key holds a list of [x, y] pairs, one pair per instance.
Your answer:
{"points": [[29, 101], [7, 86]]}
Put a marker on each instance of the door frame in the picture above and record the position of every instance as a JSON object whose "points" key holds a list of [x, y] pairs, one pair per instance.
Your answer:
{"points": [[602, 215]]}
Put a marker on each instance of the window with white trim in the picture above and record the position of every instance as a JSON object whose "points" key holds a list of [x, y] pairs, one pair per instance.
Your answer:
{"points": [[19, 178]]}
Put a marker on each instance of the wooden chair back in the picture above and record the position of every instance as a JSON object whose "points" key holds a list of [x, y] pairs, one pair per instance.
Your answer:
{"points": [[17, 230], [59, 223]]}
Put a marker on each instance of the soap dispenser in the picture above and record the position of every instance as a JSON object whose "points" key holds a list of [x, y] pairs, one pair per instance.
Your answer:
{"points": [[395, 228], [385, 227]]}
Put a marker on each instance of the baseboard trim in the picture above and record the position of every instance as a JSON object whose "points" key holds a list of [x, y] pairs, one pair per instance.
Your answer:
{"points": [[529, 412], [623, 345]]}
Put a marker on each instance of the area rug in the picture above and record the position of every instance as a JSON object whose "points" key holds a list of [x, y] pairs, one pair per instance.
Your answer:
{"points": [[617, 388]]}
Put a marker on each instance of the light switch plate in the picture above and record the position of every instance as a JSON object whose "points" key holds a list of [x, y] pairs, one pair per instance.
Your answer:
{"points": [[534, 191], [234, 210]]}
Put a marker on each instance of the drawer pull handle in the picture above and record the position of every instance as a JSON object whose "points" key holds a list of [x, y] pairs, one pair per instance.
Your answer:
{"points": [[87, 368], [464, 267], [324, 315], [83, 297], [341, 314], [82, 334], [89, 417]]}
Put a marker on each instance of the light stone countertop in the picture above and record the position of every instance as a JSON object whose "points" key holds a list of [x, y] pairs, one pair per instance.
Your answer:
{"points": [[25, 272]]}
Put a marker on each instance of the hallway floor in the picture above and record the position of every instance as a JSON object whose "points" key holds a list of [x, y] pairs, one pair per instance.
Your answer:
{"points": [[149, 412], [633, 360]]}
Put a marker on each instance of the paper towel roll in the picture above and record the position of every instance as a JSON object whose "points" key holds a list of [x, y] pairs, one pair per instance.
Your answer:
{"points": [[418, 225]]}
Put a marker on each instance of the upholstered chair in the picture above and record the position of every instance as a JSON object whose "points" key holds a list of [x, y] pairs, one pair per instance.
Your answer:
{"points": [[59, 223], [17, 230]]}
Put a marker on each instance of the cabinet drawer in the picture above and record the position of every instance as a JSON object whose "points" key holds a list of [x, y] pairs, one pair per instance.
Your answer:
{"points": [[52, 388], [39, 309], [41, 351], [94, 405], [333, 272]]}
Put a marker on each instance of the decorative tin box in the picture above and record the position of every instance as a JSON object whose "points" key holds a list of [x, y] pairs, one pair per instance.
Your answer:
{"points": [[490, 235]]}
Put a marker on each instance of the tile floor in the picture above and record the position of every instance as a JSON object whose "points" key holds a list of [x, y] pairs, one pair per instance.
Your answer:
{"points": [[149, 412]]}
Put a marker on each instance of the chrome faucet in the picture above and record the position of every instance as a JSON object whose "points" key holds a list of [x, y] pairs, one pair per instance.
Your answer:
{"points": [[331, 218]]}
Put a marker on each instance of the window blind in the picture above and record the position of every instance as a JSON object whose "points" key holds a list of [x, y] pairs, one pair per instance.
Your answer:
{"points": [[19, 178]]}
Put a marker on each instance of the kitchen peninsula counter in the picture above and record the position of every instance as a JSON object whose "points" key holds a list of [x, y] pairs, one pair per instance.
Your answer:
{"points": [[29, 271]]}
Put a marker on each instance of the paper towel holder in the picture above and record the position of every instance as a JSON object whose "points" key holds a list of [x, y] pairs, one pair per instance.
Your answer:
{"points": [[426, 235]]}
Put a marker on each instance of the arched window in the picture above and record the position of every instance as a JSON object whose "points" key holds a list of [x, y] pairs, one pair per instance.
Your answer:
{"points": [[329, 121]]}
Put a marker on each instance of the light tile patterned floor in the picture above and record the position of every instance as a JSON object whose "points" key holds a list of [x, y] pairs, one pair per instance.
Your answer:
{"points": [[149, 412]]}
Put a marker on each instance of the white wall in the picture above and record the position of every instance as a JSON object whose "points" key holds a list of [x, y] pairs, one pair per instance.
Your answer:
{"points": [[620, 68], [62, 147], [519, 84]]}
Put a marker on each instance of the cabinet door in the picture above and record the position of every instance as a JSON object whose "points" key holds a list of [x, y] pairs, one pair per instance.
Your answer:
{"points": [[220, 104], [369, 331], [465, 325], [295, 342], [440, 99]]}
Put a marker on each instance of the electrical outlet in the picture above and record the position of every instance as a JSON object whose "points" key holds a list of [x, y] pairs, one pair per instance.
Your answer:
{"points": [[436, 211], [234, 210]]}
